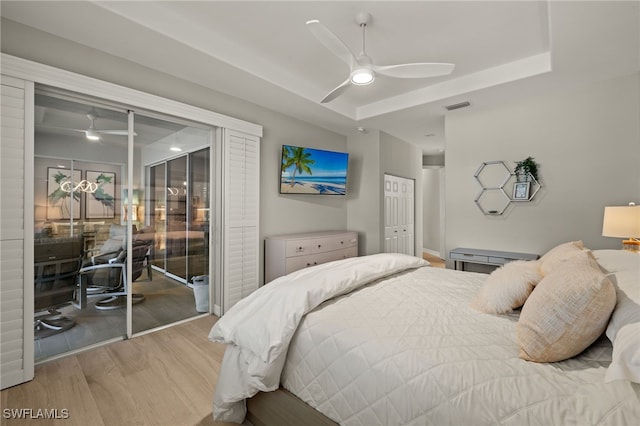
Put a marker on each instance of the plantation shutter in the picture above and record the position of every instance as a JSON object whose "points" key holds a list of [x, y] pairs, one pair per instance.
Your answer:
{"points": [[16, 246], [241, 205]]}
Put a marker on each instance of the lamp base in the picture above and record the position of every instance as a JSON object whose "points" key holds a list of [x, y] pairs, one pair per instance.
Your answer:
{"points": [[631, 245]]}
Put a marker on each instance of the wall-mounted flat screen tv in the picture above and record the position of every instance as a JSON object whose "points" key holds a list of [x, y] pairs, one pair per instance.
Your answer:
{"points": [[313, 171]]}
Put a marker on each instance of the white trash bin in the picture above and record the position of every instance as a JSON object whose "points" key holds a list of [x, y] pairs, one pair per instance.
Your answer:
{"points": [[201, 293]]}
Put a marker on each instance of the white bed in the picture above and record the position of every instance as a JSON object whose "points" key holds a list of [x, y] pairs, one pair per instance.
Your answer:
{"points": [[405, 349]]}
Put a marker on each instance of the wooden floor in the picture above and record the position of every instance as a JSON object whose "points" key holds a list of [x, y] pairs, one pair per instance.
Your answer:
{"points": [[162, 378], [434, 260], [166, 302]]}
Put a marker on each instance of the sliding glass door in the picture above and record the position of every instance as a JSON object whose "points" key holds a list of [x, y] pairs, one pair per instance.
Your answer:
{"points": [[80, 173], [121, 215]]}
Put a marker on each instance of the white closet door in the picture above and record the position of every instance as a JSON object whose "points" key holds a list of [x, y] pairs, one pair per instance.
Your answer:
{"points": [[399, 215], [241, 204], [16, 245]]}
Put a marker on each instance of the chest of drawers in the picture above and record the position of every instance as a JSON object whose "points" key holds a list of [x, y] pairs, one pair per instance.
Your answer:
{"points": [[284, 254]]}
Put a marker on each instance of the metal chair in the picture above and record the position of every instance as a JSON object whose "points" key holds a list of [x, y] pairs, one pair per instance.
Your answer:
{"points": [[106, 277]]}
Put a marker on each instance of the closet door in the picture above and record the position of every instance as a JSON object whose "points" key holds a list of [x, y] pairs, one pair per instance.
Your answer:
{"points": [[16, 245], [241, 201], [399, 215]]}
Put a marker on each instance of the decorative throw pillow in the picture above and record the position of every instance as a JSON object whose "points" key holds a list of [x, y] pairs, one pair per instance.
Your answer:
{"points": [[507, 287], [567, 311], [559, 254]]}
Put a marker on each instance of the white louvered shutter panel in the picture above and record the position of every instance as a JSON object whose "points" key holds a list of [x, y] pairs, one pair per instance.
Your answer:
{"points": [[241, 199], [16, 278]]}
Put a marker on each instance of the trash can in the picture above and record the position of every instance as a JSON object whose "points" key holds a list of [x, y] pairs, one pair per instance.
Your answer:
{"points": [[201, 292]]}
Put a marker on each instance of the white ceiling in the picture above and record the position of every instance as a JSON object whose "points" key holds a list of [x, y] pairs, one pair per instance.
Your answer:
{"points": [[262, 51]]}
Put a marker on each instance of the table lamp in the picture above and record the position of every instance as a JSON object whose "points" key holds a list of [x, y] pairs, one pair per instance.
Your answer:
{"points": [[623, 222]]}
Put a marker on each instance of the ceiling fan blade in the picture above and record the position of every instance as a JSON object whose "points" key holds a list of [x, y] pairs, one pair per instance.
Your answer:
{"points": [[331, 42], [417, 70], [115, 132], [337, 91]]}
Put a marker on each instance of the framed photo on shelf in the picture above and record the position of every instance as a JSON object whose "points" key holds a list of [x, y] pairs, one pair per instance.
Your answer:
{"points": [[101, 204], [521, 191]]}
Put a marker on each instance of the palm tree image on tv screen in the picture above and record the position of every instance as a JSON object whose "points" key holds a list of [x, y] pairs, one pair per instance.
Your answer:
{"points": [[313, 171]]}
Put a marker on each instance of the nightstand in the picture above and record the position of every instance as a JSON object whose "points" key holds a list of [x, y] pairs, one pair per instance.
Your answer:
{"points": [[461, 256]]}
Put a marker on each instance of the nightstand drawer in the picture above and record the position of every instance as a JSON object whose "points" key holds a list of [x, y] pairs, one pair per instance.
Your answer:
{"points": [[468, 257], [490, 258]]}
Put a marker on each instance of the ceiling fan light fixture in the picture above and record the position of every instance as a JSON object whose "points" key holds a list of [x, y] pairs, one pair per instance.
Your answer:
{"points": [[362, 76], [92, 135]]}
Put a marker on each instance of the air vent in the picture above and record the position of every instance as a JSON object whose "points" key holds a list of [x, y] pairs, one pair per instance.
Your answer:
{"points": [[458, 106]]}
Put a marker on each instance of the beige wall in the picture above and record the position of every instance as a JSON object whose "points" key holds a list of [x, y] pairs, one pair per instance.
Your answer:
{"points": [[373, 155], [587, 142], [365, 194], [431, 209]]}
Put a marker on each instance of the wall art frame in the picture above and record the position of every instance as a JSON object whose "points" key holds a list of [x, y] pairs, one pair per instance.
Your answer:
{"points": [[61, 204], [101, 204]]}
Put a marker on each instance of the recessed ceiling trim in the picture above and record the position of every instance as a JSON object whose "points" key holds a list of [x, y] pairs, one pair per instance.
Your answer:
{"points": [[160, 18], [517, 70]]}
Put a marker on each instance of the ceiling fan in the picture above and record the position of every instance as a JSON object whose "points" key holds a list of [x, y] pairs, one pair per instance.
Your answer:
{"points": [[362, 68], [93, 134]]}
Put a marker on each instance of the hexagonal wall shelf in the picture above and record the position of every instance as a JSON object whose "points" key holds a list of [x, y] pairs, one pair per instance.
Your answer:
{"points": [[493, 177], [492, 201], [493, 174]]}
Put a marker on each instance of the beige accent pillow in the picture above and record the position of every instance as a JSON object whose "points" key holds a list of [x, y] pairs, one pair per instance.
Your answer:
{"points": [[559, 254], [507, 287], [567, 311]]}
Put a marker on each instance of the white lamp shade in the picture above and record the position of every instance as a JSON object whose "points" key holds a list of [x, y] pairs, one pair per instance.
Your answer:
{"points": [[621, 222]]}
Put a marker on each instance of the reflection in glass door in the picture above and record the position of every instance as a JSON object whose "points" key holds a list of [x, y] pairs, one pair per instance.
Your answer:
{"points": [[98, 204], [176, 229], [181, 215], [198, 259], [158, 216], [176, 215]]}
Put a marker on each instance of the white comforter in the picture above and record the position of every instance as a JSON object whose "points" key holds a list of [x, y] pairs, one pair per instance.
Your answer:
{"points": [[409, 351], [258, 329]]}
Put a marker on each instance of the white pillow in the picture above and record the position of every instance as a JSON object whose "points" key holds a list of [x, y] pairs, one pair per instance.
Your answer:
{"points": [[623, 268], [507, 287]]}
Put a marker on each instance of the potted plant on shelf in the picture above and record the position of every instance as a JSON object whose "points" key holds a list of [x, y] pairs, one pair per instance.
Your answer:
{"points": [[526, 169]]}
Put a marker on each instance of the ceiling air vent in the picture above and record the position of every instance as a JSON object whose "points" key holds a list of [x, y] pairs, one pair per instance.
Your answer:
{"points": [[458, 106]]}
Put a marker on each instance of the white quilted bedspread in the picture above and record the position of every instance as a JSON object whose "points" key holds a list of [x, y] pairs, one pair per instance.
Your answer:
{"points": [[409, 351], [259, 328]]}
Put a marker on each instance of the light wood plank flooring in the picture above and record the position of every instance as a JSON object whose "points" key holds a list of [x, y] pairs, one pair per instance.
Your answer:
{"points": [[166, 302], [434, 260], [162, 378]]}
